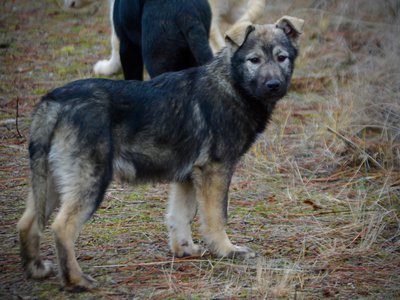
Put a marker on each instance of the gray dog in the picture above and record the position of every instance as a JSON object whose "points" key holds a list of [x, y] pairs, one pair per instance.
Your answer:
{"points": [[189, 128]]}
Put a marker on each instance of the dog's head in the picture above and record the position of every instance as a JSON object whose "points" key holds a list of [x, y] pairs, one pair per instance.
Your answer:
{"points": [[263, 56]]}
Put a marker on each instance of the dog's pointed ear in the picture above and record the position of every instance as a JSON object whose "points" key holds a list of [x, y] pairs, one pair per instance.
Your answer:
{"points": [[292, 26], [237, 34]]}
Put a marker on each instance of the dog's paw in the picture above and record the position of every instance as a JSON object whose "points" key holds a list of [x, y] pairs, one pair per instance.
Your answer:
{"points": [[186, 248], [40, 269], [106, 67], [85, 283], [241, 252]]}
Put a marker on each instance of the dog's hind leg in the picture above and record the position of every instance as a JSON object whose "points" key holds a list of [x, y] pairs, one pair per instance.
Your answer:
{"points": [[127, 21], [182, 207], [212, 184], [82, 178], [78, 204], [82, 187], [112, 65], [66, 228]]}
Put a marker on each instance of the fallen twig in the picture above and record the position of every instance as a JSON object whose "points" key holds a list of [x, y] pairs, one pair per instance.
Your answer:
{"points": [[16, 118]]}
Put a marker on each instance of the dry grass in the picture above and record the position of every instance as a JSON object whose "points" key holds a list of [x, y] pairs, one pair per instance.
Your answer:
{"points": [[317, 196]]}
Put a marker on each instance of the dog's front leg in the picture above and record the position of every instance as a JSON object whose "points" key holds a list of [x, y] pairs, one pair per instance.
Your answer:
{"points": [[212, 184], [182, 207]]}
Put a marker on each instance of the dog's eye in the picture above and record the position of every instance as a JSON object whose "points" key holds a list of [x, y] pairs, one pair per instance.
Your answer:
{"points": [[282, 58], [254, 60]]}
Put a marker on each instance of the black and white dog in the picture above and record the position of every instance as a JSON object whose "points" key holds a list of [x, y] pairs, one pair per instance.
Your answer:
{"points": [[230, 11], [161, 35]]}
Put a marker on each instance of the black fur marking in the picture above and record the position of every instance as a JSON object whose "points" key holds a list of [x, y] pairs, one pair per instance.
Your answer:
{"points": [[165, 36]]}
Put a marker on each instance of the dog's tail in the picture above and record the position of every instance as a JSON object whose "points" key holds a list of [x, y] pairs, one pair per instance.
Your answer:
{"points": [[44, 121], [33, 220]]}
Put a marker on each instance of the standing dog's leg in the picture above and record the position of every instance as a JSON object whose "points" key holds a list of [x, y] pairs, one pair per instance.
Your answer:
{"points": [[182, 208], [112, 65], [212, 184], [127, 21], [77, 206], [82, 179], [131, 59]]}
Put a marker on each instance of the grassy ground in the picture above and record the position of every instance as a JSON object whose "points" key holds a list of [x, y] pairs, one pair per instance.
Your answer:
{"points": [[317, 196]]}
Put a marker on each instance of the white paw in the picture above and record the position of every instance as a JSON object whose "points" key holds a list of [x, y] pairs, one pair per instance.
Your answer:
{"points": [[106, 67]]}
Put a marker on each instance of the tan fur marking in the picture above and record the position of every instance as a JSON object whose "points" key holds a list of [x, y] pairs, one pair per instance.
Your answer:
{"points": [[25, 223], [237, 33], [296, 23], [66, 228], [211, 185]]}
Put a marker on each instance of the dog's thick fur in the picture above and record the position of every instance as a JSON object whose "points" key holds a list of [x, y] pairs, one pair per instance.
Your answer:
{"points": [[231, 11], [189, 128]]}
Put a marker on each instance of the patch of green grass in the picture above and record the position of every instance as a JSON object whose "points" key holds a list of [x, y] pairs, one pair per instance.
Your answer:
{"points": [[40, 91]]}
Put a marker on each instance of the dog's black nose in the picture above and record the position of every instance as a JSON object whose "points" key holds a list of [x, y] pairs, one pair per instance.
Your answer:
{"points": [[273, 85]]}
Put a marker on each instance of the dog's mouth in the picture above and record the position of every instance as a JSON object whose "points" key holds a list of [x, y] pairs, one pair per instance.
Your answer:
{"points": [[272, 90]]}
